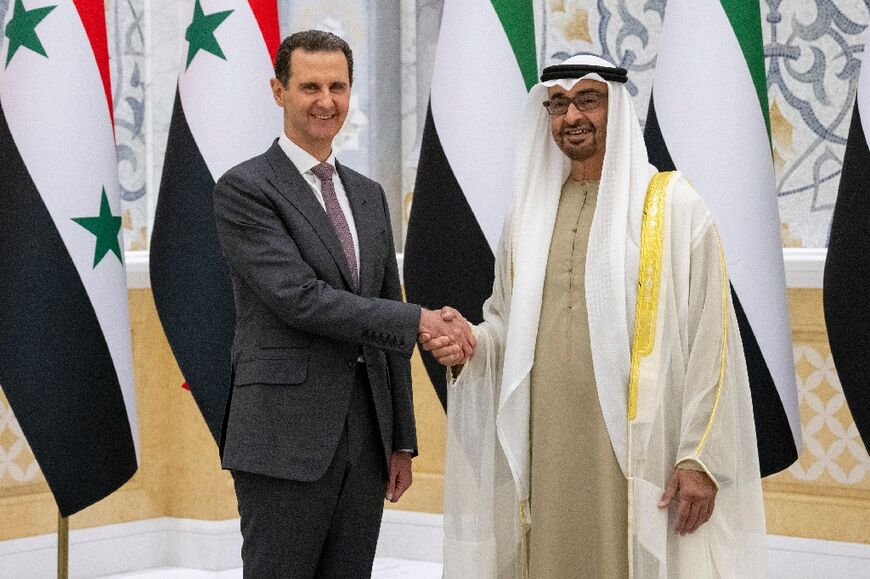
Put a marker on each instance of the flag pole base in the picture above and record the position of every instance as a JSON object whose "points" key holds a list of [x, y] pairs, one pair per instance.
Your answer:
{"points": [[62, 547]]}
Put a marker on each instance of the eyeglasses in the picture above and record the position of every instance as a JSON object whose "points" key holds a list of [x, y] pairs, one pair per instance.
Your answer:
{"points": [[583, 102]]}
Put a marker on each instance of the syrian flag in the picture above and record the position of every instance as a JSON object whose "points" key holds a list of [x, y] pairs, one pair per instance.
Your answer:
{"points": [[847, 268], [65, 358], [709, 117], [224, 114], [465, 172]]}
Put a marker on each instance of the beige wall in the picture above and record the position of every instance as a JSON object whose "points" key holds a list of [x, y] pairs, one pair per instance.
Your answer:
{"points": [[825, 495]]}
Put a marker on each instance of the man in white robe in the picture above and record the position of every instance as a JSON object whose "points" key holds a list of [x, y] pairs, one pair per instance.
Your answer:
{"points": [[667, 361]]}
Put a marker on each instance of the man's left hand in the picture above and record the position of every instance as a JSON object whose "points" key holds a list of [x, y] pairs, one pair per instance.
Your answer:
{"points": [[696, 497], [400, 475]]}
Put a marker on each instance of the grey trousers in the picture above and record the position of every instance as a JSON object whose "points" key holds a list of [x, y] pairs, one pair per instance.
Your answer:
{"points": [[326, 528]]}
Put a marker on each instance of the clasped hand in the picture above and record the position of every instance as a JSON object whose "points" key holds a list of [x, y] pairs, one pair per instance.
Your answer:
{"points": [[448, 335]]}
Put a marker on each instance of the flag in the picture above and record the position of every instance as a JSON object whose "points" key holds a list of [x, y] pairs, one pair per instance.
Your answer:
{"points": [[709, 118], [484, 66], [65, 357], [224, 114], [847, 268]]}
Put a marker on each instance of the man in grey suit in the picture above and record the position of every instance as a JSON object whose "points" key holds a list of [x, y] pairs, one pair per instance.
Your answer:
{"points": [[320, 424]]}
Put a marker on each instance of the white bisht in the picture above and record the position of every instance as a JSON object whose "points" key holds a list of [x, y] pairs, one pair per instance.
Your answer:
{"points": [[671, 379]]}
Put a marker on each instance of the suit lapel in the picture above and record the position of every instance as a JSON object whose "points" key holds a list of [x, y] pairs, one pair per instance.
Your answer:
{"points": [[290, 183], [366, 224]]}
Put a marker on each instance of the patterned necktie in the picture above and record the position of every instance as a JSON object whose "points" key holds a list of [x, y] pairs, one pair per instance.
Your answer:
{"points": [[336, 215]]}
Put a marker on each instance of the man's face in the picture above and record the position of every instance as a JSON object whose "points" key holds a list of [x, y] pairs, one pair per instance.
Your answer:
{"points": [[582, 135], [315, 100]]}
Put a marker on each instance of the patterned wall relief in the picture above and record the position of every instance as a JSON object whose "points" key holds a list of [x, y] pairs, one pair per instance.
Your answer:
{"points": [[833, 454], [124, 19], [348, 19], [4, 5], [812, 50], [421, 23], [17, 464], [621, 31], [409, 104]]}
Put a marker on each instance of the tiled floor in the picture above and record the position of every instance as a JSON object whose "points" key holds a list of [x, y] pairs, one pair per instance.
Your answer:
{"points": [[384, 569]]}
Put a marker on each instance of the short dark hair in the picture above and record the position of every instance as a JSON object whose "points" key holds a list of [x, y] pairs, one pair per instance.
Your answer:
{"points": [[310, 41]]}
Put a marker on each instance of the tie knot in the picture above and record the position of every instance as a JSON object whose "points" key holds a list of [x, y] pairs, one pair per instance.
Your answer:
{"points": [[323, 171]]}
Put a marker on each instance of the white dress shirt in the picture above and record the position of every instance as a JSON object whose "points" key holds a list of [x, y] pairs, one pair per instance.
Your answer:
{"points": [[304, 162]]}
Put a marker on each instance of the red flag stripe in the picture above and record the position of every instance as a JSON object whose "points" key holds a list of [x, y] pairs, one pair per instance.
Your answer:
{"points": [[93, 15], [266, 13]]}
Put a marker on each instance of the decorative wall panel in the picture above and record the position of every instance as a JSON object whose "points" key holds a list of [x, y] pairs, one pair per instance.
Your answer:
{"points": [[17, 464], [812, 50], [833, 451], [124, 19]]}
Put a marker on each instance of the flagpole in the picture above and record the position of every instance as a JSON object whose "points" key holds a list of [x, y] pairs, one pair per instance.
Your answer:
{"points": [[62, 546]]}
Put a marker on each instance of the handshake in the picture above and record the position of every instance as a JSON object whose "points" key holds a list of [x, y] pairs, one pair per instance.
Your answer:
{"points": [[447, 335]]}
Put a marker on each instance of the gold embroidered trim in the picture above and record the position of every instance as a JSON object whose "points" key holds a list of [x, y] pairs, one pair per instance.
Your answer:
{"points": [[648, 281], [724, 346]]}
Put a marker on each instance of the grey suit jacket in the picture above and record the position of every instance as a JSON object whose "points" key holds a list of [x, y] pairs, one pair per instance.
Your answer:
{"points": [[300, 328]]}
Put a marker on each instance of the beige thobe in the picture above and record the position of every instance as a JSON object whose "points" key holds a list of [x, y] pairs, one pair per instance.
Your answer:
{"points": [[578, 492]]}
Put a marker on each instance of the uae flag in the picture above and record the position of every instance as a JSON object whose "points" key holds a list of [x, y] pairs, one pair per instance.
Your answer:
{"points": [[708, 117], [847, 269], [224, 114], [465, 172], [65, 359]]}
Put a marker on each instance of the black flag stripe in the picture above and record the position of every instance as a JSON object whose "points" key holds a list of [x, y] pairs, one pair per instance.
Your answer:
{"points": [[447, 258], [55, 365], [847, 276], [189, 275]]}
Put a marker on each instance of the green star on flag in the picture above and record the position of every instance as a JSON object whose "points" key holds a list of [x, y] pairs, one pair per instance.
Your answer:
{"points": [[21, 30], [106, 228], [200, 33]]}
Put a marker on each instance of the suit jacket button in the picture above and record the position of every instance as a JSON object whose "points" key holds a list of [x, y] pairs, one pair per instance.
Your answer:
{"points": [[351, 364]]}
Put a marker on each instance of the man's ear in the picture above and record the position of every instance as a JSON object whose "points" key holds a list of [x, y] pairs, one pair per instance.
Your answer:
{"points": [[277, 91]]}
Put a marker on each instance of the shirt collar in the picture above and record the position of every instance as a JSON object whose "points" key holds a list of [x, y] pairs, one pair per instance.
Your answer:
{"points": [[301, 159]]}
